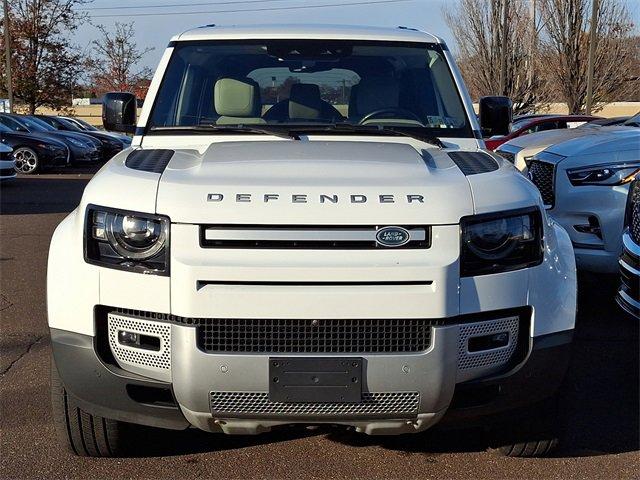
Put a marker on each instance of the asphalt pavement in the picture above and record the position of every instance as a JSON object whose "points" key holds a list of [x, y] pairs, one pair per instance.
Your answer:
{"points": [[600, 401]]}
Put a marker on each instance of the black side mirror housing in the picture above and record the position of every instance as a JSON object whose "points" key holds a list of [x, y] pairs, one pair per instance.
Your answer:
{"points": [[119, 112], [496, 115]]}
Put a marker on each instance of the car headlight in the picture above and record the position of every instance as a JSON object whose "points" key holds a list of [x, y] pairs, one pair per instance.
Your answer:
{"points": [[47, 146], [606, 175], [77, 143], [127, 240], [501, 242]]}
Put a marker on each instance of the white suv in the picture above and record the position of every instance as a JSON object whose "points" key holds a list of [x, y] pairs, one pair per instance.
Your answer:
{"points": [[307, 229]]}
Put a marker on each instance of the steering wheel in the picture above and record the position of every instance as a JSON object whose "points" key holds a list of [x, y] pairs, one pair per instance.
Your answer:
{"points": [[402, 112]]}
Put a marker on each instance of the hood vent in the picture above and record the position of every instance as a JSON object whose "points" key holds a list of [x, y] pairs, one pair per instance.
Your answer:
{"points": [[472, 163], [153, 161]]}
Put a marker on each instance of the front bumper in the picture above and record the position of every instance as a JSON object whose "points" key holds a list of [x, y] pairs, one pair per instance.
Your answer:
{"points": [[7, 169], [628, 296], [228, 392]]}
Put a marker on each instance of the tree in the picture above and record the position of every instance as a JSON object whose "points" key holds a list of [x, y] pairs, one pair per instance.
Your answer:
{"points": [[567, 24], [478, 28], [44, 63], [117, 55]]}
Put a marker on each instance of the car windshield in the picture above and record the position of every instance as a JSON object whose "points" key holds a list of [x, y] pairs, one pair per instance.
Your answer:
{"points": [[4, 128], [40, 123], [33, 125], [13, 124], [302, 83], [633, 121], [84, 125]]}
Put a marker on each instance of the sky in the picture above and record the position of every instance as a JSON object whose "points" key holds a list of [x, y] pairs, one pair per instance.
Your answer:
{"points": [[156, 21]]}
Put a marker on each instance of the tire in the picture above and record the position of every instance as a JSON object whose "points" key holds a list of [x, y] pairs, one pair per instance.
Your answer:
{"points": [[84, 434], [27, 160], [535, 434]]}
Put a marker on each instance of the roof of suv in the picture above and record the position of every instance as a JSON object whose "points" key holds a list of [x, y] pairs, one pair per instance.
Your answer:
{"points": [[311, 32]]}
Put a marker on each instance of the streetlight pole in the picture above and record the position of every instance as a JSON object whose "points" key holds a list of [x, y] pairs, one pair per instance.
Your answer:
{"points": [[592, 53], [7, 51]]}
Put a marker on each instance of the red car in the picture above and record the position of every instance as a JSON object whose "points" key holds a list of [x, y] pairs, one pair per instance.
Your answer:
{"points": [[531, 124]]}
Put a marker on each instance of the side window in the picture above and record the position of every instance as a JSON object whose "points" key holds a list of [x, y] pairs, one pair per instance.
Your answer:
{"points": [[551, 125]]}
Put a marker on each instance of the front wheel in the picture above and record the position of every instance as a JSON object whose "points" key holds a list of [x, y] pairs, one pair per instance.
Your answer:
{"points": [[27, 160], [532, 434], [84, 434]]}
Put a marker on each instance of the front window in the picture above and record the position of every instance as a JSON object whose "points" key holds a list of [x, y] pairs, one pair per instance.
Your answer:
{"points": [[302, 83]]}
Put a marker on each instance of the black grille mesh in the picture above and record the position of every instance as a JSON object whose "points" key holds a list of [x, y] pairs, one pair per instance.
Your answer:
{"points": [[304, 336], [314, 336], [634, 211], [153, 161], [541, 174]]}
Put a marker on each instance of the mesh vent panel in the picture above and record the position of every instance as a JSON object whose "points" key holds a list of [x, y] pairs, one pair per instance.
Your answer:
{"points": [[542, 176], [257, 403], [160, 360], [491, 358]]}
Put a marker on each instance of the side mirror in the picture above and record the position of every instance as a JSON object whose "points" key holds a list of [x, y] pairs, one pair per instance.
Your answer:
{"points": [[119, 112], [496, 114]]}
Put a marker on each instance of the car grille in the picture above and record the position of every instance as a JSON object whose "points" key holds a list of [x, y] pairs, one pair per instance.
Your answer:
{"points": [[542, 176], [306, 237], [7, 172], [258, 404], [511, 157], [633, 206], [313, 336]]}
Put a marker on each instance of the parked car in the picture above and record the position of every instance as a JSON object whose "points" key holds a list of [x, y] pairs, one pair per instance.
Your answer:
{"points": [[376, 269], [111, 144], [7, 163], [531, 125], [584, 183], [86, 126], [31, 153], [519, 149], [82, 148], [628, 296]]}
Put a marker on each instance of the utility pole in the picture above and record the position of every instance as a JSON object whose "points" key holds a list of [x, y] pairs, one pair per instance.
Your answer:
{"points": [[7, 51], [592, 53], [503, 52]]}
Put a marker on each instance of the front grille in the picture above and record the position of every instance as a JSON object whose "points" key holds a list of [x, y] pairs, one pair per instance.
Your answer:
{"points": [[311, 237], [542, 176], [7, 172], [314, 336], [254, 404], [633, 211]]}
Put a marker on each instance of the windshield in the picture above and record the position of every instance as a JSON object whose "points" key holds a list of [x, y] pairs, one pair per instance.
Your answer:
{"points": [[309, 83], [13, 124], [633, 121], [38, 122], [83, 124], [34, 125]]}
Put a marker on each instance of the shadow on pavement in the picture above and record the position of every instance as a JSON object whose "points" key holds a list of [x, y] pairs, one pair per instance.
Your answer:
{"points": [[38, 194]]}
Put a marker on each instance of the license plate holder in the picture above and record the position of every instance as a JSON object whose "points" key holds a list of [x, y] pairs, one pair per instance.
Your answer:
{"points": [[315, 380]]}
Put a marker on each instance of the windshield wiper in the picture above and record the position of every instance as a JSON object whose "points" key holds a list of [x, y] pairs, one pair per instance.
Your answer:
{"points": [[262, 129], [374, 130]]}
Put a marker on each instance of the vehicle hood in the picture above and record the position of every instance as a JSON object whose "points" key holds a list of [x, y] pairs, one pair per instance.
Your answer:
{"points": [[546, 138], [35, 137], [86, 139], [604, 140], [281, 182]]}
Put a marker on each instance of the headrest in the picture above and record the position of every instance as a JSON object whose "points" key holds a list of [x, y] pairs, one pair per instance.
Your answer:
{"points": [[377, 94], [305, 101], [237, 97]]}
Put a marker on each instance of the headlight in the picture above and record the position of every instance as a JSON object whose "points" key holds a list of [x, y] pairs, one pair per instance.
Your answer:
{"points": [[127, 240], [501, 242], [606, 175], [77, 143], [47, 146]]}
